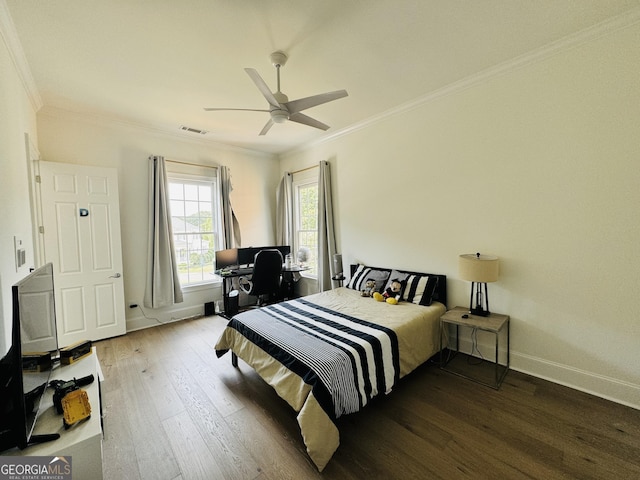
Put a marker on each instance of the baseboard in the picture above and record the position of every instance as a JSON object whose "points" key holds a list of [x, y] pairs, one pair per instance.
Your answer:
{"points": [[150, 318], [609, 388], [618, 391]]}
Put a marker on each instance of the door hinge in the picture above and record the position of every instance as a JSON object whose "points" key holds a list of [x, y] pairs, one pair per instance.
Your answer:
{"points": [[41, 229], [38, 179]]}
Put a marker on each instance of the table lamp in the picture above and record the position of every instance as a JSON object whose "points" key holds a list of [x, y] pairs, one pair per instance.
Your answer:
{"points": [[337, 265], [479, 270]]}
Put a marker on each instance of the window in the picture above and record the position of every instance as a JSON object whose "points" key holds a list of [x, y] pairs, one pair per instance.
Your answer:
{"points": [[196, 226], [306, 223]]}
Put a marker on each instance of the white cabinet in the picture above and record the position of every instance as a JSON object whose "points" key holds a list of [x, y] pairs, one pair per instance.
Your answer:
{"points": [[83, 441]]}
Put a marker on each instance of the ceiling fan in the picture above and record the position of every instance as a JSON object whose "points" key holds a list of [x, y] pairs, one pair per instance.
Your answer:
{"points": [[280, 108]]}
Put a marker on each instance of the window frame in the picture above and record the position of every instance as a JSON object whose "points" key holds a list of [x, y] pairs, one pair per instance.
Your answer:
{"points": [[302, 180], [178, 176]]}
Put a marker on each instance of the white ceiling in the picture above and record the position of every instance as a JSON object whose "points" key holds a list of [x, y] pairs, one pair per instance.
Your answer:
{"points": [[159, 62]]}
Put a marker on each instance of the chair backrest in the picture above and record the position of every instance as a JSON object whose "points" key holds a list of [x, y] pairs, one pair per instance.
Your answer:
{"points": [[267, 267]]}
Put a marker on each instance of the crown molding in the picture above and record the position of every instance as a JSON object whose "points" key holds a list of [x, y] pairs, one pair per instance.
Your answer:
{"points": [[114, 122], [11, 40], [9, 34], [607, 27]]}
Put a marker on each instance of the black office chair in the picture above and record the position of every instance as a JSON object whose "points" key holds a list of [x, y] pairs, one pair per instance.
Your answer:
{"points": [[265, 279]]}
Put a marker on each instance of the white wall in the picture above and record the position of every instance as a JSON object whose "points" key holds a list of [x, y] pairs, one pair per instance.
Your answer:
{"points": [[17, 117], [537, 164], [69, 138]]}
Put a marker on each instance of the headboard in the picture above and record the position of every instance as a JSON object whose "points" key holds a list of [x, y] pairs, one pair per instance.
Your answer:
{"points": [[441, 289]]}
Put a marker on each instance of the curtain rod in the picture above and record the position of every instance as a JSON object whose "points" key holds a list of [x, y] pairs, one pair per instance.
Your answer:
{"points": [[187, 163], [304, 169]]}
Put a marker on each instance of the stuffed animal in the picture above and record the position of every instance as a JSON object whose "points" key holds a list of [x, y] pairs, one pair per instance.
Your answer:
{"points": [[392, 294], [369, 288]]}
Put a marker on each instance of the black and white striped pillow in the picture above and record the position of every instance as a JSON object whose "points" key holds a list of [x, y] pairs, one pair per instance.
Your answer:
{"points": [[420, 289], [364, 273]]}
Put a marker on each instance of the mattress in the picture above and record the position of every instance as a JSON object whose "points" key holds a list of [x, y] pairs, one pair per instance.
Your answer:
{"points": [[329, 353]]}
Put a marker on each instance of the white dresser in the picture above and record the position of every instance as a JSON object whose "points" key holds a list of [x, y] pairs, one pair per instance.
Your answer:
{"points": [[81, 442]]}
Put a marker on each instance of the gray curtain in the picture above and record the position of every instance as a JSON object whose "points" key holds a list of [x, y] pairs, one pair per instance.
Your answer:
{"points": [[284, 211], [163, 284], [230, 223], [326, 231]]}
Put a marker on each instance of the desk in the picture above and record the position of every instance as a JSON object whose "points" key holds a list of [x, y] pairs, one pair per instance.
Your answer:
{"points": [[230, 309], [289, 280], [286, 290]]}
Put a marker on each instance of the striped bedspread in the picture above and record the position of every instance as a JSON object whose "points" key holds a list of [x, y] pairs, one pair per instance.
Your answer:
{"points": [[346, 361]]}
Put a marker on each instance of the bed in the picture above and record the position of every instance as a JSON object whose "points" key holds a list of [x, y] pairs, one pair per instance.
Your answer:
{"points": [[330, 353]]}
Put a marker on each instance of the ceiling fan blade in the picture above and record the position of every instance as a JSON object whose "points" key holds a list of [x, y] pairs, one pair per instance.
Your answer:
{"points": [[295, 106], [306, 120], [235, 109], [263, 87], [266, 128]]}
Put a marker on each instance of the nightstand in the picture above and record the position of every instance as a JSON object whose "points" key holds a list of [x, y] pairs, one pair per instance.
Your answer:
{"points": [[495, 324]]}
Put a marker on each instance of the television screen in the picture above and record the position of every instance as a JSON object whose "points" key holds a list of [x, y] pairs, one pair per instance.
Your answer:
{"points": [[33, 336], [37, 311]]}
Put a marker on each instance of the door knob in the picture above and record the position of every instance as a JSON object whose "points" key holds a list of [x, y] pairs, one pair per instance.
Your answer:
{"points": [[117, 275]]}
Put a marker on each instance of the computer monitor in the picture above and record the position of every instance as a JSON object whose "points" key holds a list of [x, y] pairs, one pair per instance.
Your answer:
{"points": [[284, 249], [226, 258], [247, 255]]}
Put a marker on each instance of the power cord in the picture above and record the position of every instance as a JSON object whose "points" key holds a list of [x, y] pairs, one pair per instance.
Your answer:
{"points": [[474, 348], [445, 346], [471, 359], [145, 315]]}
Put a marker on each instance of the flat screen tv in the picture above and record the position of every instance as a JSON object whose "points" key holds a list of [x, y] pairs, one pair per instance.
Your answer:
{"points": [[33, 333]]}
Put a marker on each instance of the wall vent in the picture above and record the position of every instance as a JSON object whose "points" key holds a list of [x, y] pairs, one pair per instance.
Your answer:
{"points": [[193, 130]]}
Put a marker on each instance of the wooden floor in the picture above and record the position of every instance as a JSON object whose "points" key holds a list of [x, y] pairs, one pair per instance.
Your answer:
{"points": [[172, 410]]}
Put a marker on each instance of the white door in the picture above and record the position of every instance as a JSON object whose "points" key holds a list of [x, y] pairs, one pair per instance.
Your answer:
{"points": [[81, 220]]}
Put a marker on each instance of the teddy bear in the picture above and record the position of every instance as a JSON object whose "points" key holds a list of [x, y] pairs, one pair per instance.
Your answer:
{"points": [[369, 288], [392, 293]]}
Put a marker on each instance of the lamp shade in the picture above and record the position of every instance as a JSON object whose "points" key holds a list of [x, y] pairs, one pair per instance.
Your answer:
{"points": [[474, 267]]}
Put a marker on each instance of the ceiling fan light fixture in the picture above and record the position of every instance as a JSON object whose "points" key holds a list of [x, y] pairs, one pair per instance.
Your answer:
{"points": [[279, 116]]}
